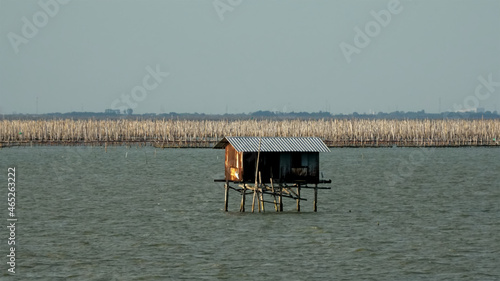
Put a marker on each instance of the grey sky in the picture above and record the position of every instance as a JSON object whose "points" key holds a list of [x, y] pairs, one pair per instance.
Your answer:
{"points": [[281, 55]]}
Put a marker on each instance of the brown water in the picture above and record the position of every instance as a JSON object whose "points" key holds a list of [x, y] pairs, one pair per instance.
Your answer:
{"points": [[146, 214]]}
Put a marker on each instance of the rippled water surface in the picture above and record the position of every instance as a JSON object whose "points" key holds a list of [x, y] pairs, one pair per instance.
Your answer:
{"points": [[152, 214]]}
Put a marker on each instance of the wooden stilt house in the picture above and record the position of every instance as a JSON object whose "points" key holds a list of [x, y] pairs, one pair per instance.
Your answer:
{"points": [[276, 161]]}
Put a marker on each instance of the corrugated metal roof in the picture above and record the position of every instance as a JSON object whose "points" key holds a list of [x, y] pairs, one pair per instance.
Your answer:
{"points": [[275, 144]]}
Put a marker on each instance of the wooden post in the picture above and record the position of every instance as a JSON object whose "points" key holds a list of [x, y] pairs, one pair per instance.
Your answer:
{"points": [[253, 199], [261, 193], [226, 195], [262, 199], [315, 207], [274, 194], [298, 198], [258, 198], [256, 179], [242, 205], [281, 198]]}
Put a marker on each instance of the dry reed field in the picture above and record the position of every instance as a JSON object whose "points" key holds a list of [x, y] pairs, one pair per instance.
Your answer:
{"points": [[355, 132]]}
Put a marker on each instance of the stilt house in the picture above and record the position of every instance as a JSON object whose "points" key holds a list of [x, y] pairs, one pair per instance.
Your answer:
{"points": [[284, 159]]}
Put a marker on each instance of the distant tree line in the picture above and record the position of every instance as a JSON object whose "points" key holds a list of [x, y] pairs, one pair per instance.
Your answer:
{"points": [[128, 114]]}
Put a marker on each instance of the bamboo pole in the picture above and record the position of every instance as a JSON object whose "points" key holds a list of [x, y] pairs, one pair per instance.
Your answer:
{"points": [[274, 195], [281, 198], [226, 195], [261, 194], [256, 174], [298, 198], [354, 132], [242, 205], [315, 207]]}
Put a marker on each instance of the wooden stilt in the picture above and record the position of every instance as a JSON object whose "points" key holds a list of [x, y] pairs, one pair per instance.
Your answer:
{"points": [[274, 194], [261, 194], [258, 198], [262, 199], [226, 195], [253, 199], [315, 207], [281, 198], [256, 179], [242, 205], [298, 198]]}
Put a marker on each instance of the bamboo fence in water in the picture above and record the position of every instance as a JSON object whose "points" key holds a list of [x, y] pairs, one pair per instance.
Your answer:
{"points": [[204, 133]]}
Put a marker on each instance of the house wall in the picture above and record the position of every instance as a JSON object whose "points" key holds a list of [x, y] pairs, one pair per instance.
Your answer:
{"points": [[233, 164], [303, 166], [281, 166], [268, 165]]}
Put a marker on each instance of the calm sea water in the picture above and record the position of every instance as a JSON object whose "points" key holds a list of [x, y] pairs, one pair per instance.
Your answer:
{"points": [[152, 214]]}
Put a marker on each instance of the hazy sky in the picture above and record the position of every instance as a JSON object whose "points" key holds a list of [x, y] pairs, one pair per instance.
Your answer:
{"points": [[247, 55]]}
